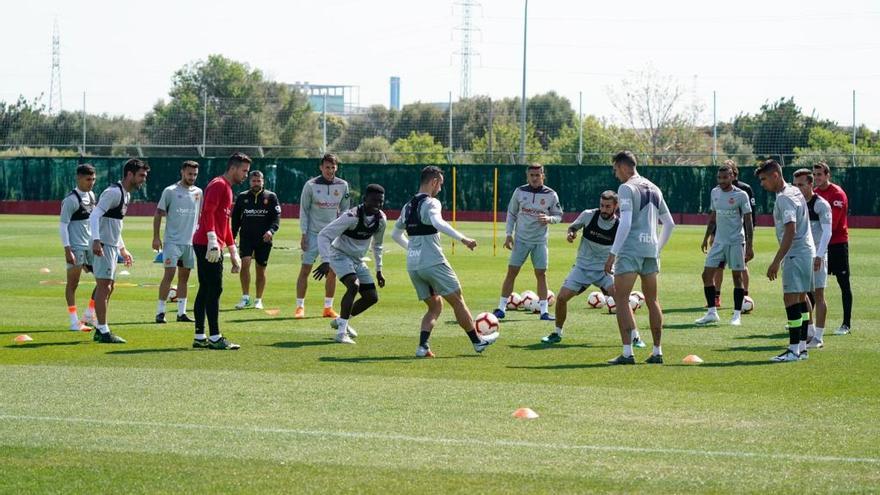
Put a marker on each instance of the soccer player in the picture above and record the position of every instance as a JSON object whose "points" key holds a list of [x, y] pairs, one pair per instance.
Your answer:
{"points": [[838, 248], [599, 227], [730, 223], [795, 256], [636, 252], [821, 219], [532, 207], [428, 269], [255, 220], [76, 238], [180, 202], [321, 201], [105, 223], [719, 274], [211, 235], [343, 244]]}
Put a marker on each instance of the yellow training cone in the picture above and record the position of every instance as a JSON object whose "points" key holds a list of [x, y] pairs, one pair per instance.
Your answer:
{"points": [[273, 312], [45, 270], [525, 413], [692, 359], [21, 339]]}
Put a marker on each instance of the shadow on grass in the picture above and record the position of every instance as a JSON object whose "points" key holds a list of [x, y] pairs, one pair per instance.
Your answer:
{"points": [[34, 345], [379, 359], [10, 332], [769, 336], [578, 366], [683, 310], [541, 346], [297, 345], [150, 351], [761, 348], [725, 365], [685, 326], [271, 318]]}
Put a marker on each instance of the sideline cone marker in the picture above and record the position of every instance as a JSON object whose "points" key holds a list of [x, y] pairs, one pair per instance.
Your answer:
{"points": [[21, 339], [45, 270], [525, 413], [692, 359], [273, 312], [125, 273]]}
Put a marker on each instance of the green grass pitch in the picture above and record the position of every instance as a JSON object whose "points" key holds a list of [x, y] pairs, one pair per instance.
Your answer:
{"points": [[294, 412]]}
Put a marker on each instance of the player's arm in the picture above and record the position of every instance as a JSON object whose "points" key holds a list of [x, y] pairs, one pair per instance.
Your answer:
{"points": [[838, 212], [378, 240], [577, 225], [305, 210], [748, 225], [625, 205], [109, 198], [555, 210], [510, 226], [274, 218], [784, 246], [668, 225], [161, 209], [398, 233], [710, 231], [333, 230], [67, 210], [345, 202], [237, 210], [825, 219], [441, 225]]}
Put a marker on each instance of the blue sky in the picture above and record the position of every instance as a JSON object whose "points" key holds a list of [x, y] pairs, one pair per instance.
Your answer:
{"points": [[122, 53]]}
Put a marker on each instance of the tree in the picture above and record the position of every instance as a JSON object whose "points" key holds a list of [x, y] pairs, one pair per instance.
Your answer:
{"points": [[653, 106], [600, 142], [377, 121], [418, 148], [373, 150], [549, 113], [505, 144], [422, 118]]}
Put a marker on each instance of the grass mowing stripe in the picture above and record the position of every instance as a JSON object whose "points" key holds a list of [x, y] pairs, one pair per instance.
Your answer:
{"points": [[357, 435]]}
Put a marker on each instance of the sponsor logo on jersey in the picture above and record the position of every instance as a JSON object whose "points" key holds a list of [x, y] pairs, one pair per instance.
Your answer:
{"points": [[837, 203], [255, 212], [327, 204]]}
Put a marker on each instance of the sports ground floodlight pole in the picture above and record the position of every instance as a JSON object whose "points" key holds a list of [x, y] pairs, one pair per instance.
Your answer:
{"points": [[714, 131], [854, 130], [84, 123], [580, 127], [522, 119]]}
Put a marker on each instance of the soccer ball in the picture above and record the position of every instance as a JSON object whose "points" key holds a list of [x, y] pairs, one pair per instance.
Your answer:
{"points": [[596, 300], [551, 297], [638, 295], [634, 302], [529, 301], [514, 301], [610, 304], [748, 304], [172, 294], [486, 323]]}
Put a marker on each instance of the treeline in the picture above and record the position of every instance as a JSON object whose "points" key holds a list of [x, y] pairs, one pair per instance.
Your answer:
{"points": [[228, 105]]}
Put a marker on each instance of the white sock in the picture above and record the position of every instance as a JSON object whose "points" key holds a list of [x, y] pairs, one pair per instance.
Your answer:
{"points": [[258, 300], [300, 303], [712, 310], [181, 306], [215, 338], [160, 308], [795, 348], [328, 302], [802, 346], [502, 303], [105, 328], [543, 304], [811, 331], [343, 326], [737, 313], [74, 319], [200, 336], [559, 331], [245, 297], [658, 351], [627, 350], [819, 333], [634, 335], [90, 312]]}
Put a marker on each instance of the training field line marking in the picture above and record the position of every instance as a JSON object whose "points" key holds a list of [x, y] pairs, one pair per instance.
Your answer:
{"points": [[360, 435]]}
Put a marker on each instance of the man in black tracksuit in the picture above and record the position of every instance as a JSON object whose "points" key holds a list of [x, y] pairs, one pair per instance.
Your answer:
{"points": [[255, 219]]}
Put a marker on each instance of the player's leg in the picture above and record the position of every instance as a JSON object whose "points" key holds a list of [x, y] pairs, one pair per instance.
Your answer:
{"points": [[73, 276], [435, 306], [164, 288], [302, 284], [540, 261], [182, 292], [245, 279], [105, 273], [261, 256], [260, 282], [717, 281], [739, 294], [565, 295], [352, 286], [506, 289], [368, 292], [710, 279], [650, 287], [820, 308], [329, 291], [623, 284]]}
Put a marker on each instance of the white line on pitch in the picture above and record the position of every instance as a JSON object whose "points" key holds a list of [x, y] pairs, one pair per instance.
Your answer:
{"points": [[359, 435]]}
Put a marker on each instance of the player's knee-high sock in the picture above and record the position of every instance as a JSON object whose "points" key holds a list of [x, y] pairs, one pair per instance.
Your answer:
{"points": [[805, 318], [846, 297], [738, 296], [423, 338], [795, 320], [709, 292]]}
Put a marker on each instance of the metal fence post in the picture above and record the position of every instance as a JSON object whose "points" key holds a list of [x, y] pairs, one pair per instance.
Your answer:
{"points": [[204, 121], [324, 125], [714, 130], [580, 127], [854, 130], [450, 125], [83, 152]]}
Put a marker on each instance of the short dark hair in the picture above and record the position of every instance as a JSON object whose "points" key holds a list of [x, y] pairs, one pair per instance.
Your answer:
{"points": [[535, 166], [822, 166], [625, 157], [766, 166], [237, 159], [804, 172], [430, 173], [374, 189], [609, 195], [255, 173], [189, 164], [733, 168], [134, 166], [726, 168], [329, 157], [86, 169]]}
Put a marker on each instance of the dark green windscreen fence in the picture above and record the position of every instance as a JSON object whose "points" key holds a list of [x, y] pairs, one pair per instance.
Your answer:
{"points": [[686, 188]]}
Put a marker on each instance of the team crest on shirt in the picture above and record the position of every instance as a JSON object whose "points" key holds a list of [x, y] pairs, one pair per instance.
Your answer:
{"points": [[731, 200], [542, 201], [265, 201], [336, 193]]}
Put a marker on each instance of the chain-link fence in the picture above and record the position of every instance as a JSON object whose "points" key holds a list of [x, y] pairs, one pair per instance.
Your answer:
{"points": [[663, 128]]}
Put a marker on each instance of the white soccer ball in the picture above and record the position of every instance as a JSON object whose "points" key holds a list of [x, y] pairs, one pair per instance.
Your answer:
{"points": [[172, 294], [610, 304], [514, 301], [638, 295], [551, 297], [486, 323], [634, 302], [596, 300], [748, 304], [529, 301]]}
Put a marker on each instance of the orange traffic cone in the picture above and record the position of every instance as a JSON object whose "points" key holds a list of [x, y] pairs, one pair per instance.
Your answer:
{"points": [[21, 339], [692, 359], [525, 413]]}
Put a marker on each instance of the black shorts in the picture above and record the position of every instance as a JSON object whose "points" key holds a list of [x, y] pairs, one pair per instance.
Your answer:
{"points": [[838, 259], [258, 249]]}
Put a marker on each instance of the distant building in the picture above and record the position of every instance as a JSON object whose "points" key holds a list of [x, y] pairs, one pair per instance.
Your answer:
{"points": [[340, 98], [395, 93]]}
